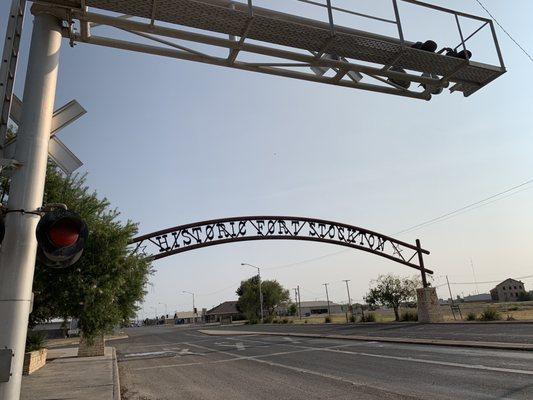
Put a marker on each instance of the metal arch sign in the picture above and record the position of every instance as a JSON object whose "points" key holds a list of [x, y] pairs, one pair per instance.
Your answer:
{"points": [[239, 229]]}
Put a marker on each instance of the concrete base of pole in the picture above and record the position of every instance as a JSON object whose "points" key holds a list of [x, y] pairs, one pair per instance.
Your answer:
{"points": [[428, 305]]}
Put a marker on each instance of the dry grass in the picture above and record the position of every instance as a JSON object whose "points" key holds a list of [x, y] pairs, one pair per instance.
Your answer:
{"points": [[520, 311]]}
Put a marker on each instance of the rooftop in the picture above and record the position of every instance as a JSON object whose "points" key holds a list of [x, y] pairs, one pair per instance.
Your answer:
{"points": [[228, 307]]}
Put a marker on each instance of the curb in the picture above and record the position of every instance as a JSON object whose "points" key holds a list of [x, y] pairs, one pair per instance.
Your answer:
{"points": [[116, 378], [433, 342]]}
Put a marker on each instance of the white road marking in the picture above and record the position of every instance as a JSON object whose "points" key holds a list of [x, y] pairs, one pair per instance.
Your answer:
{"points": [[238, 358], [180, 351], [435, 362], [334, 349], [290, 339], [152, 353], [238, 345]]}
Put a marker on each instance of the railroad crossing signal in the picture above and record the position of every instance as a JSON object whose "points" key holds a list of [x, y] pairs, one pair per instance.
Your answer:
{"points": [[61, 237], [58, 152]]}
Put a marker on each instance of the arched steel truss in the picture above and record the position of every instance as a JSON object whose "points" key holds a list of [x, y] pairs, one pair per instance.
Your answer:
{"points": [[239, 229]]}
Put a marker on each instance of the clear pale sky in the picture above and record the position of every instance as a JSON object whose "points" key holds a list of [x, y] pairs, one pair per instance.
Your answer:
{"points": [[171, 142]]}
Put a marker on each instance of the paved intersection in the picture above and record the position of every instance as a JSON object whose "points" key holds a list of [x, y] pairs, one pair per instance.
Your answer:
{"points": [[181, 363]]}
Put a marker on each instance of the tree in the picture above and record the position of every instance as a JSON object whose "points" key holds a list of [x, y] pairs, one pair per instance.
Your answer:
{"points": [[391, 291], [103, 287], [273, 296], [293, 309], [524, 296]]}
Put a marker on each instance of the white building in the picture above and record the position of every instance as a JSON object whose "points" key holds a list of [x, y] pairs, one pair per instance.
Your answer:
{"points": [[320, 307]]}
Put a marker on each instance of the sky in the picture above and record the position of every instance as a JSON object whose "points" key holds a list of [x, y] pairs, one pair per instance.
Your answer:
{"points": [[171, 142]]}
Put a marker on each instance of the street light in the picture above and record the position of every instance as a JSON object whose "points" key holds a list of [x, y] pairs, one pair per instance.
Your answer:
{"points": [[193, 306], [166, 310], [260, 291]]}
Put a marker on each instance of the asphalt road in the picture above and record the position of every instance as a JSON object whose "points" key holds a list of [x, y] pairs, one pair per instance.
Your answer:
{"points": [[487, 332], [181, 363]]}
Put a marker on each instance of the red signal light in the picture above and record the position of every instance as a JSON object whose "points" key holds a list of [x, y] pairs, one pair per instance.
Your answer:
{"points": [[61, 235], [64, 232]]}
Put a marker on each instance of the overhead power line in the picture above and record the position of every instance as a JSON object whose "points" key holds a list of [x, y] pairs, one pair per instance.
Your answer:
{"points": [[470, 207], [505, 30], [486, 282]]}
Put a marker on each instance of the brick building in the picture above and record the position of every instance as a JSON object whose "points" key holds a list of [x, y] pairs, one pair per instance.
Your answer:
{"points": [[509, 290]]}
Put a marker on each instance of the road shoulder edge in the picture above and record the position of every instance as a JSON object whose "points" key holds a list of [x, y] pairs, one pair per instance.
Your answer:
{"points": [[116, 376], [434, 342]]}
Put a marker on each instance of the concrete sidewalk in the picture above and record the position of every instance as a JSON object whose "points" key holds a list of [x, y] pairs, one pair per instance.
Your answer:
{"points": [[65, 376]]}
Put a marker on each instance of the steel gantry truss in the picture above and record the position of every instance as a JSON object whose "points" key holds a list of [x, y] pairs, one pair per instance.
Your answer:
{"points": [[300, 48], [239, 229]]}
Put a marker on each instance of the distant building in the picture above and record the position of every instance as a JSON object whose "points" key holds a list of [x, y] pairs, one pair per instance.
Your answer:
{"points": [[310, 308], [477, 297], [508, 290], [225, 312], [187, 317]]}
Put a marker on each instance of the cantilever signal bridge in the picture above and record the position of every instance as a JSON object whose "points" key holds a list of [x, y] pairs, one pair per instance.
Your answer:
{"points": [[290, 45]]}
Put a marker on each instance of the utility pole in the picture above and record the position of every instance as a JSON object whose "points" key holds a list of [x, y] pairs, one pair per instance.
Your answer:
{"points": [[452, 307], [299, 302], [349, 299], [260, 290], [474, 275], [327, 297], [449, 289], [17, 262], [166, 309], [193, 305], [296, 299]]}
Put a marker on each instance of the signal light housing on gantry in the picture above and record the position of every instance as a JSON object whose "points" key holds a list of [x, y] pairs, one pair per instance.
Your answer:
{"points": [[61, 237]]}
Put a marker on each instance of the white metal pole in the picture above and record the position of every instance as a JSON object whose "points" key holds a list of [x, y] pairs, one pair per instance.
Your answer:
{"points": [[17, 255]]}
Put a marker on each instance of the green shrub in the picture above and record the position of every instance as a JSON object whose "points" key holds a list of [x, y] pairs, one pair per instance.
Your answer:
{"points": [[352, 318], [409, 316], [524, 296], [305, 321], [471, 316], [327, 320], [513, 308], [252, 321], [276, 321], [285, 321], [490, 314], [510, 317], [35, 341], [368, 317]]}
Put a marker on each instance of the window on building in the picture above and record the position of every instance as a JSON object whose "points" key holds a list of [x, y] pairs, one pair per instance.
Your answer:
{"points": [[503, 287], [515, 288]]}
